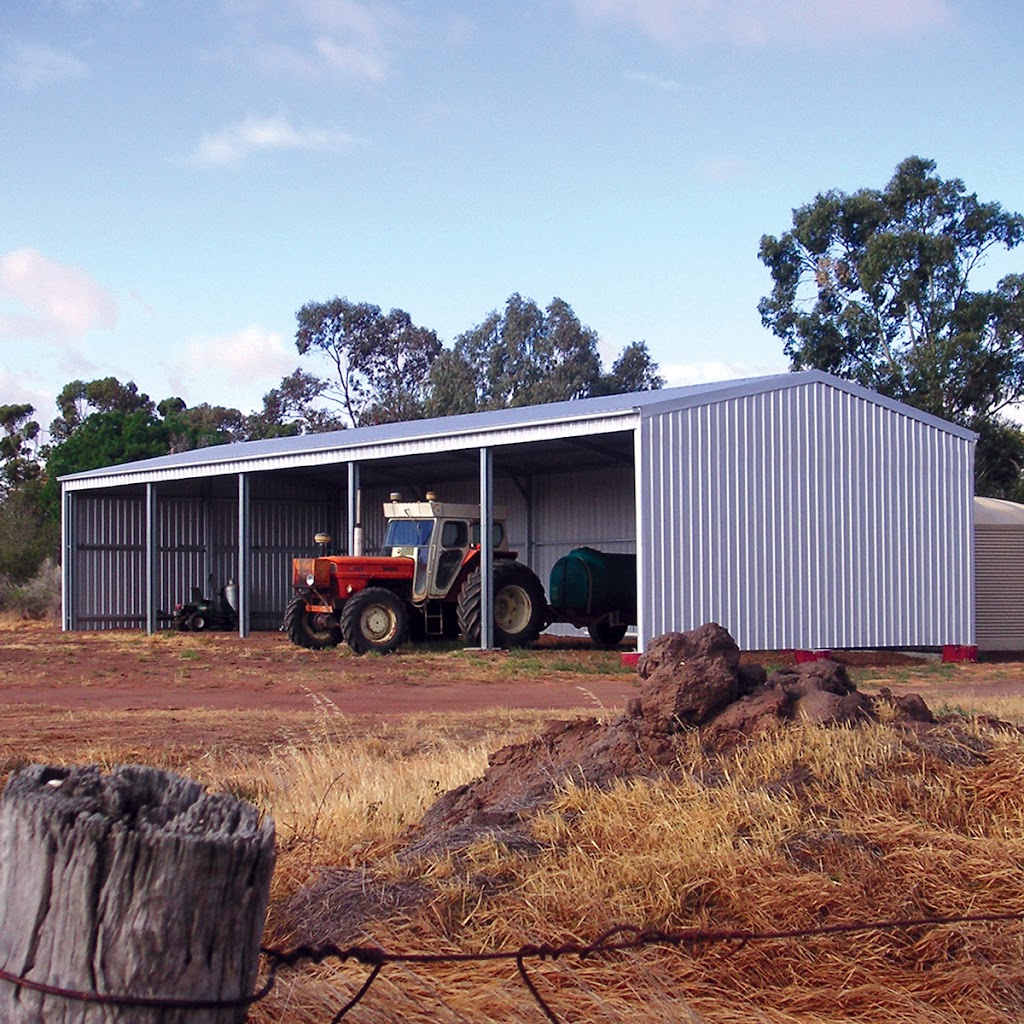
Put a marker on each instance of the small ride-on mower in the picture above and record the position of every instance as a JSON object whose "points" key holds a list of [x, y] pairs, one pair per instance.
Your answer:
{"points": [[218, 612]]}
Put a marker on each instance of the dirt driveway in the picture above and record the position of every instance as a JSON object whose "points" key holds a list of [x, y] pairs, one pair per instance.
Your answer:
{"points": [[96, 694], [62, 694]]}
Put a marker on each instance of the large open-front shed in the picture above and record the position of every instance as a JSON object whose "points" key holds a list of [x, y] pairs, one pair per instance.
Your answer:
{"points": [[799, 511]]}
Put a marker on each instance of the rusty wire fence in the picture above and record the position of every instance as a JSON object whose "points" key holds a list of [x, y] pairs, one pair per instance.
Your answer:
{"points": [[620, 939]]}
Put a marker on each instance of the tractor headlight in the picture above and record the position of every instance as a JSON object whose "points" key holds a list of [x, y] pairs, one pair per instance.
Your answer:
{"points": [[310, 579]]}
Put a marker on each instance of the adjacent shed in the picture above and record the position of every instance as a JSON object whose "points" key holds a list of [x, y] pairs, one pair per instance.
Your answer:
{"points": [[799, 510], [999, 583]]}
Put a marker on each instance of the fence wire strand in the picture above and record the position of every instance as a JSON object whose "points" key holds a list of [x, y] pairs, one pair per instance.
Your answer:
{"points": [[621, 938]]}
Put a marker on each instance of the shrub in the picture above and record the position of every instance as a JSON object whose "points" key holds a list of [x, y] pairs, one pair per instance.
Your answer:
{"points": [[38, 597]]}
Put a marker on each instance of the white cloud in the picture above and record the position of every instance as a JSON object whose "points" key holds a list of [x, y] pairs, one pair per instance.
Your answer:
{"points": [[356, 61], [760, 22], [722, 169], [29, 67], [249, 355], [656, 81], [51, 300], [24, 388], [321, 38], [256, 134]]}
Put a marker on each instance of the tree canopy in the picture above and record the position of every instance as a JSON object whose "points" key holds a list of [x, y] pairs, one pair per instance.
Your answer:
{"points": [[380, 361], [529, 356], [880, 286], [384, 368]]}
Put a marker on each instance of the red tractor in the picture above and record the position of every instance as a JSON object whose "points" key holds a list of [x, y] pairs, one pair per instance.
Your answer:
{"points": [[425, 584]]}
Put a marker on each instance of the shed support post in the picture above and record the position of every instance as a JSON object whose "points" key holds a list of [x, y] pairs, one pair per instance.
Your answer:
{"points": [[486, 549], [244, 554], [641, 523], [207, 528], [69, 555], [151, 558], [355, 511]]}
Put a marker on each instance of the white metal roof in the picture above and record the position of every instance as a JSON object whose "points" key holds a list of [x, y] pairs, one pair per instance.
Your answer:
{"points": [[997, 512], [580, 418]]}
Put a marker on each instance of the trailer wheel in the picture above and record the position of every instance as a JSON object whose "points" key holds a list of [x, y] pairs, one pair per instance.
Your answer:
{"points": [[314, 630], [196, 622], [604, 634], [519, 606], [374, 619]]}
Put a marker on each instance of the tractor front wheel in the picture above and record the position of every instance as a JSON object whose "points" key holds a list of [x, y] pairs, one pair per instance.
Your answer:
{"points": [[374, 619], [315, 630], [519, 606]]}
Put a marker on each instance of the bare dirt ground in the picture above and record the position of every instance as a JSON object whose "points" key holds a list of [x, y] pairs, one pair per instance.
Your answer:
{"points": [[62, 693]]}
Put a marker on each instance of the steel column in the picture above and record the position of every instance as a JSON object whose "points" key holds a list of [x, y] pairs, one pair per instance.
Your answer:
{"points": [[355, 508], [151, 558], [244, 554], [643, 523], [486, 549], [69, 554]]}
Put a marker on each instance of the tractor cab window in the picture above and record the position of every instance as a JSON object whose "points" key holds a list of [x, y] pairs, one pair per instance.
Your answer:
{"points": [[408, 533], [498, 536], [453, 534], [411, 538], [454, 541]]}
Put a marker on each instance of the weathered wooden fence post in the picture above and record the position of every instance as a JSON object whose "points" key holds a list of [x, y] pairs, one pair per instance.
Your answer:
{"points": [[135, 883]]}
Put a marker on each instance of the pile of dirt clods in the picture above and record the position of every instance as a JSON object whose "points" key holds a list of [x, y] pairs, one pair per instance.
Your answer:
{"points": [[690, 681]]}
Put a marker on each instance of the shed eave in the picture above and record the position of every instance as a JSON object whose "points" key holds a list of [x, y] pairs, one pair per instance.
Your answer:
{"points": [[457, 440]]}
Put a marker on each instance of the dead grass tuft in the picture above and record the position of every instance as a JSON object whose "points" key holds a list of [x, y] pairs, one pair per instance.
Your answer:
{"points": [[806, 827]]}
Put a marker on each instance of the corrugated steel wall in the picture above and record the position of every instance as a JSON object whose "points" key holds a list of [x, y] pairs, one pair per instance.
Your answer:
{"points": [[109, 573], [999, 587], [110, 570], [807, 517], [593, 508]]}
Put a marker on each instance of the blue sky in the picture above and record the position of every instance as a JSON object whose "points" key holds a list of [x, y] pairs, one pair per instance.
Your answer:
{"points": [[180, 176]]}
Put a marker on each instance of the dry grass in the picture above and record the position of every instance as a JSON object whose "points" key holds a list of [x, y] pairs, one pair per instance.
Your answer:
{"points": [[804, 828], [808, 827], [341, 794]]}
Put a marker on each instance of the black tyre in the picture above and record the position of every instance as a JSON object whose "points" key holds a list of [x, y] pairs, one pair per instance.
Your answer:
{"points": [[374, 619], [604, 634], [315, 630], [519, 606], [196, 622]]}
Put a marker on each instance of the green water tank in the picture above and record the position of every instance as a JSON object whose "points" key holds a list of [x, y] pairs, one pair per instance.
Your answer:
{"points": [[591, 582]]}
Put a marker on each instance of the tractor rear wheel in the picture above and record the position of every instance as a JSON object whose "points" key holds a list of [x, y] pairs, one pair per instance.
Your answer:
{"points": [[519, 606], [315, 630], [374, 619], [604, 634]]}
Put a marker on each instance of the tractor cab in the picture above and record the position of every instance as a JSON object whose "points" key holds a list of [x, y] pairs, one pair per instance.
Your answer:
{"points": [[439, 537]]}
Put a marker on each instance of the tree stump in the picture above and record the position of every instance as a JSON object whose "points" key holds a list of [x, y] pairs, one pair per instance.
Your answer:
{"points": [[136, 883]]}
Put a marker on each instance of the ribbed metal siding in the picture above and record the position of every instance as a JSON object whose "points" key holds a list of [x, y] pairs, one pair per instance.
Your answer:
{"points": [[594, 508], [807, 518], [280, 531], [181, 555], [110, 563], [1000, 587]]}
